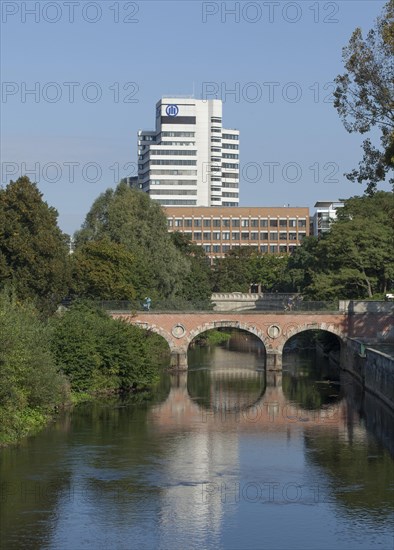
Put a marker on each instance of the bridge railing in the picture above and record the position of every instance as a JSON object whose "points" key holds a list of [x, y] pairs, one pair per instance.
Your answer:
{"points": [[182, 305], [294, 306], [316, 306], [157, 306]]}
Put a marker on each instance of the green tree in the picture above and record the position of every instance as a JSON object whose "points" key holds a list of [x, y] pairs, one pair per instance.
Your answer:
{"points": [[104, 270], [33, 250], [75, 344], [302, 265], [130, 218], [98, 353], [30, 384], [270, 271], [233, 272], [355, 258], [243, 266], [362, 240], [196, 285], [364, 97]]}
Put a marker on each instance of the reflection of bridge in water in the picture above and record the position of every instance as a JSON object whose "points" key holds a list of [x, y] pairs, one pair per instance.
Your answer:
{"points": [[229, 411]]}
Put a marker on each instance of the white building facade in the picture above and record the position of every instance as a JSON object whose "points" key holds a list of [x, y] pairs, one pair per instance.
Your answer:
{"points": [[189, 159], [325, 214]]}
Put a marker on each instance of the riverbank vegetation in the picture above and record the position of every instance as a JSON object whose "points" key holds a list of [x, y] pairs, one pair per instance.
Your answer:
{"points": [[100, 354], [76, 355], [125, 252], [31, 385]]}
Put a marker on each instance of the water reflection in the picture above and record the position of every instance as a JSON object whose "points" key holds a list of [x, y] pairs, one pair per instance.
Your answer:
{"points": [[225, 392], [311, 381], [220, 457]]}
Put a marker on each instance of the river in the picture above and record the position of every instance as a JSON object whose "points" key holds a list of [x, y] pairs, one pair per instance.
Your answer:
{"points": [[225, 456]]}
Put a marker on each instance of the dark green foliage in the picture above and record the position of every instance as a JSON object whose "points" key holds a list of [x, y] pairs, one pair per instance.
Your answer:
{"points": [[242, 267], [130, 218], [270, 271], [364, 97], [302, 265], [213, 337], [33, 250], [97, 352], [196, 285], [356, 258], [103, 270], [233, 273], [30, 384]]}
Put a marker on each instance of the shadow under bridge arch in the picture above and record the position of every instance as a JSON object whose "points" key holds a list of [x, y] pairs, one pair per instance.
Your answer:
{"points": [[316, 328], [245, 328]]}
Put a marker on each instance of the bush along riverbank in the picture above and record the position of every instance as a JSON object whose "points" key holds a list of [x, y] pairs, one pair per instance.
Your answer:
{"points": [[31, 385], [75, 356]]}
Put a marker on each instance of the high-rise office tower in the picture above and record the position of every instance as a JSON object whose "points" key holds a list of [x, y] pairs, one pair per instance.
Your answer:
{"points": [[189, 159]]}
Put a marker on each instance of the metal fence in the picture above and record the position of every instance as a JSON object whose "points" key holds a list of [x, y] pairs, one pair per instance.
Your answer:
{"points": [[157, 306], [273, 303], [293, 305]]}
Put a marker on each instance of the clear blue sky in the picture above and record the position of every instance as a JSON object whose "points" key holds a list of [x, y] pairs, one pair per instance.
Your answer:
{"points": [[173, 48]]}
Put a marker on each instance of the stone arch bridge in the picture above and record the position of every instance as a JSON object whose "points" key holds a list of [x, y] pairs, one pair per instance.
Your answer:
{"points": [[274, 329]]}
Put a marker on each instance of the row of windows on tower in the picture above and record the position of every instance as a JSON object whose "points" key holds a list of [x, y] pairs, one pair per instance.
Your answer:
{"points": [[185, 152], [144, 137]]}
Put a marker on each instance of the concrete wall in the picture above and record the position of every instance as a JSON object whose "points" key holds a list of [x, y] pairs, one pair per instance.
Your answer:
{"points": [[379, 374], [364, 306], [238, 301], [373, 369], [233, 301]]}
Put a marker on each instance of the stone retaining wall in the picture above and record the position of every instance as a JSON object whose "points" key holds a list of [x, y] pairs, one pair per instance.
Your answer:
{"points": [[374, 369]]}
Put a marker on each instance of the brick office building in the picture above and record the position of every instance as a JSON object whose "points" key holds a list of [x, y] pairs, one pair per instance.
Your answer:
{"points": [[270, 230]]}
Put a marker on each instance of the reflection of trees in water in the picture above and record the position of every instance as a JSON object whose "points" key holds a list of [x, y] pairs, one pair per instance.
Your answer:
{"points": [[375, 415], [361, 472], [32, 482], [310, 381], [357, 457], [43, 473]]}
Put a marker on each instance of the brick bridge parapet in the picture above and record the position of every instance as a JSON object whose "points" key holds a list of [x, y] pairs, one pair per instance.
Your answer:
{"points": [[273, 328]]}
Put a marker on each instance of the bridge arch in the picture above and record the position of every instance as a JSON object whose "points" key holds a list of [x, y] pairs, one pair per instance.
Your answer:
{"points": [[158, 330], [178, 354], [227, 324], [294, 330]]}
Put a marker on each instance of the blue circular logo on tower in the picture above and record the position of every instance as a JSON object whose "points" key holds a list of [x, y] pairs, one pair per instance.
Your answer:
{"points": [[172, 110]]}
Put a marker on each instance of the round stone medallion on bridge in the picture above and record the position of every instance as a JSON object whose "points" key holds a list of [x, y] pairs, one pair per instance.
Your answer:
{"points": [[274, 331], [178, 331]]}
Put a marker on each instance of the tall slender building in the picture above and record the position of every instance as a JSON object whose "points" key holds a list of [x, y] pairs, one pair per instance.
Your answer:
{"points": [[189, 159]]}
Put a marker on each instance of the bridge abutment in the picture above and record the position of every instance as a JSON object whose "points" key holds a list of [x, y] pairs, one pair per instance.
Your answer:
{"points": [[274, 360], [273, 379], [178, 360]]}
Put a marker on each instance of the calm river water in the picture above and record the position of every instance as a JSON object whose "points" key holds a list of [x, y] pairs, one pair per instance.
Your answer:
{"points": [[223, 457]]}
